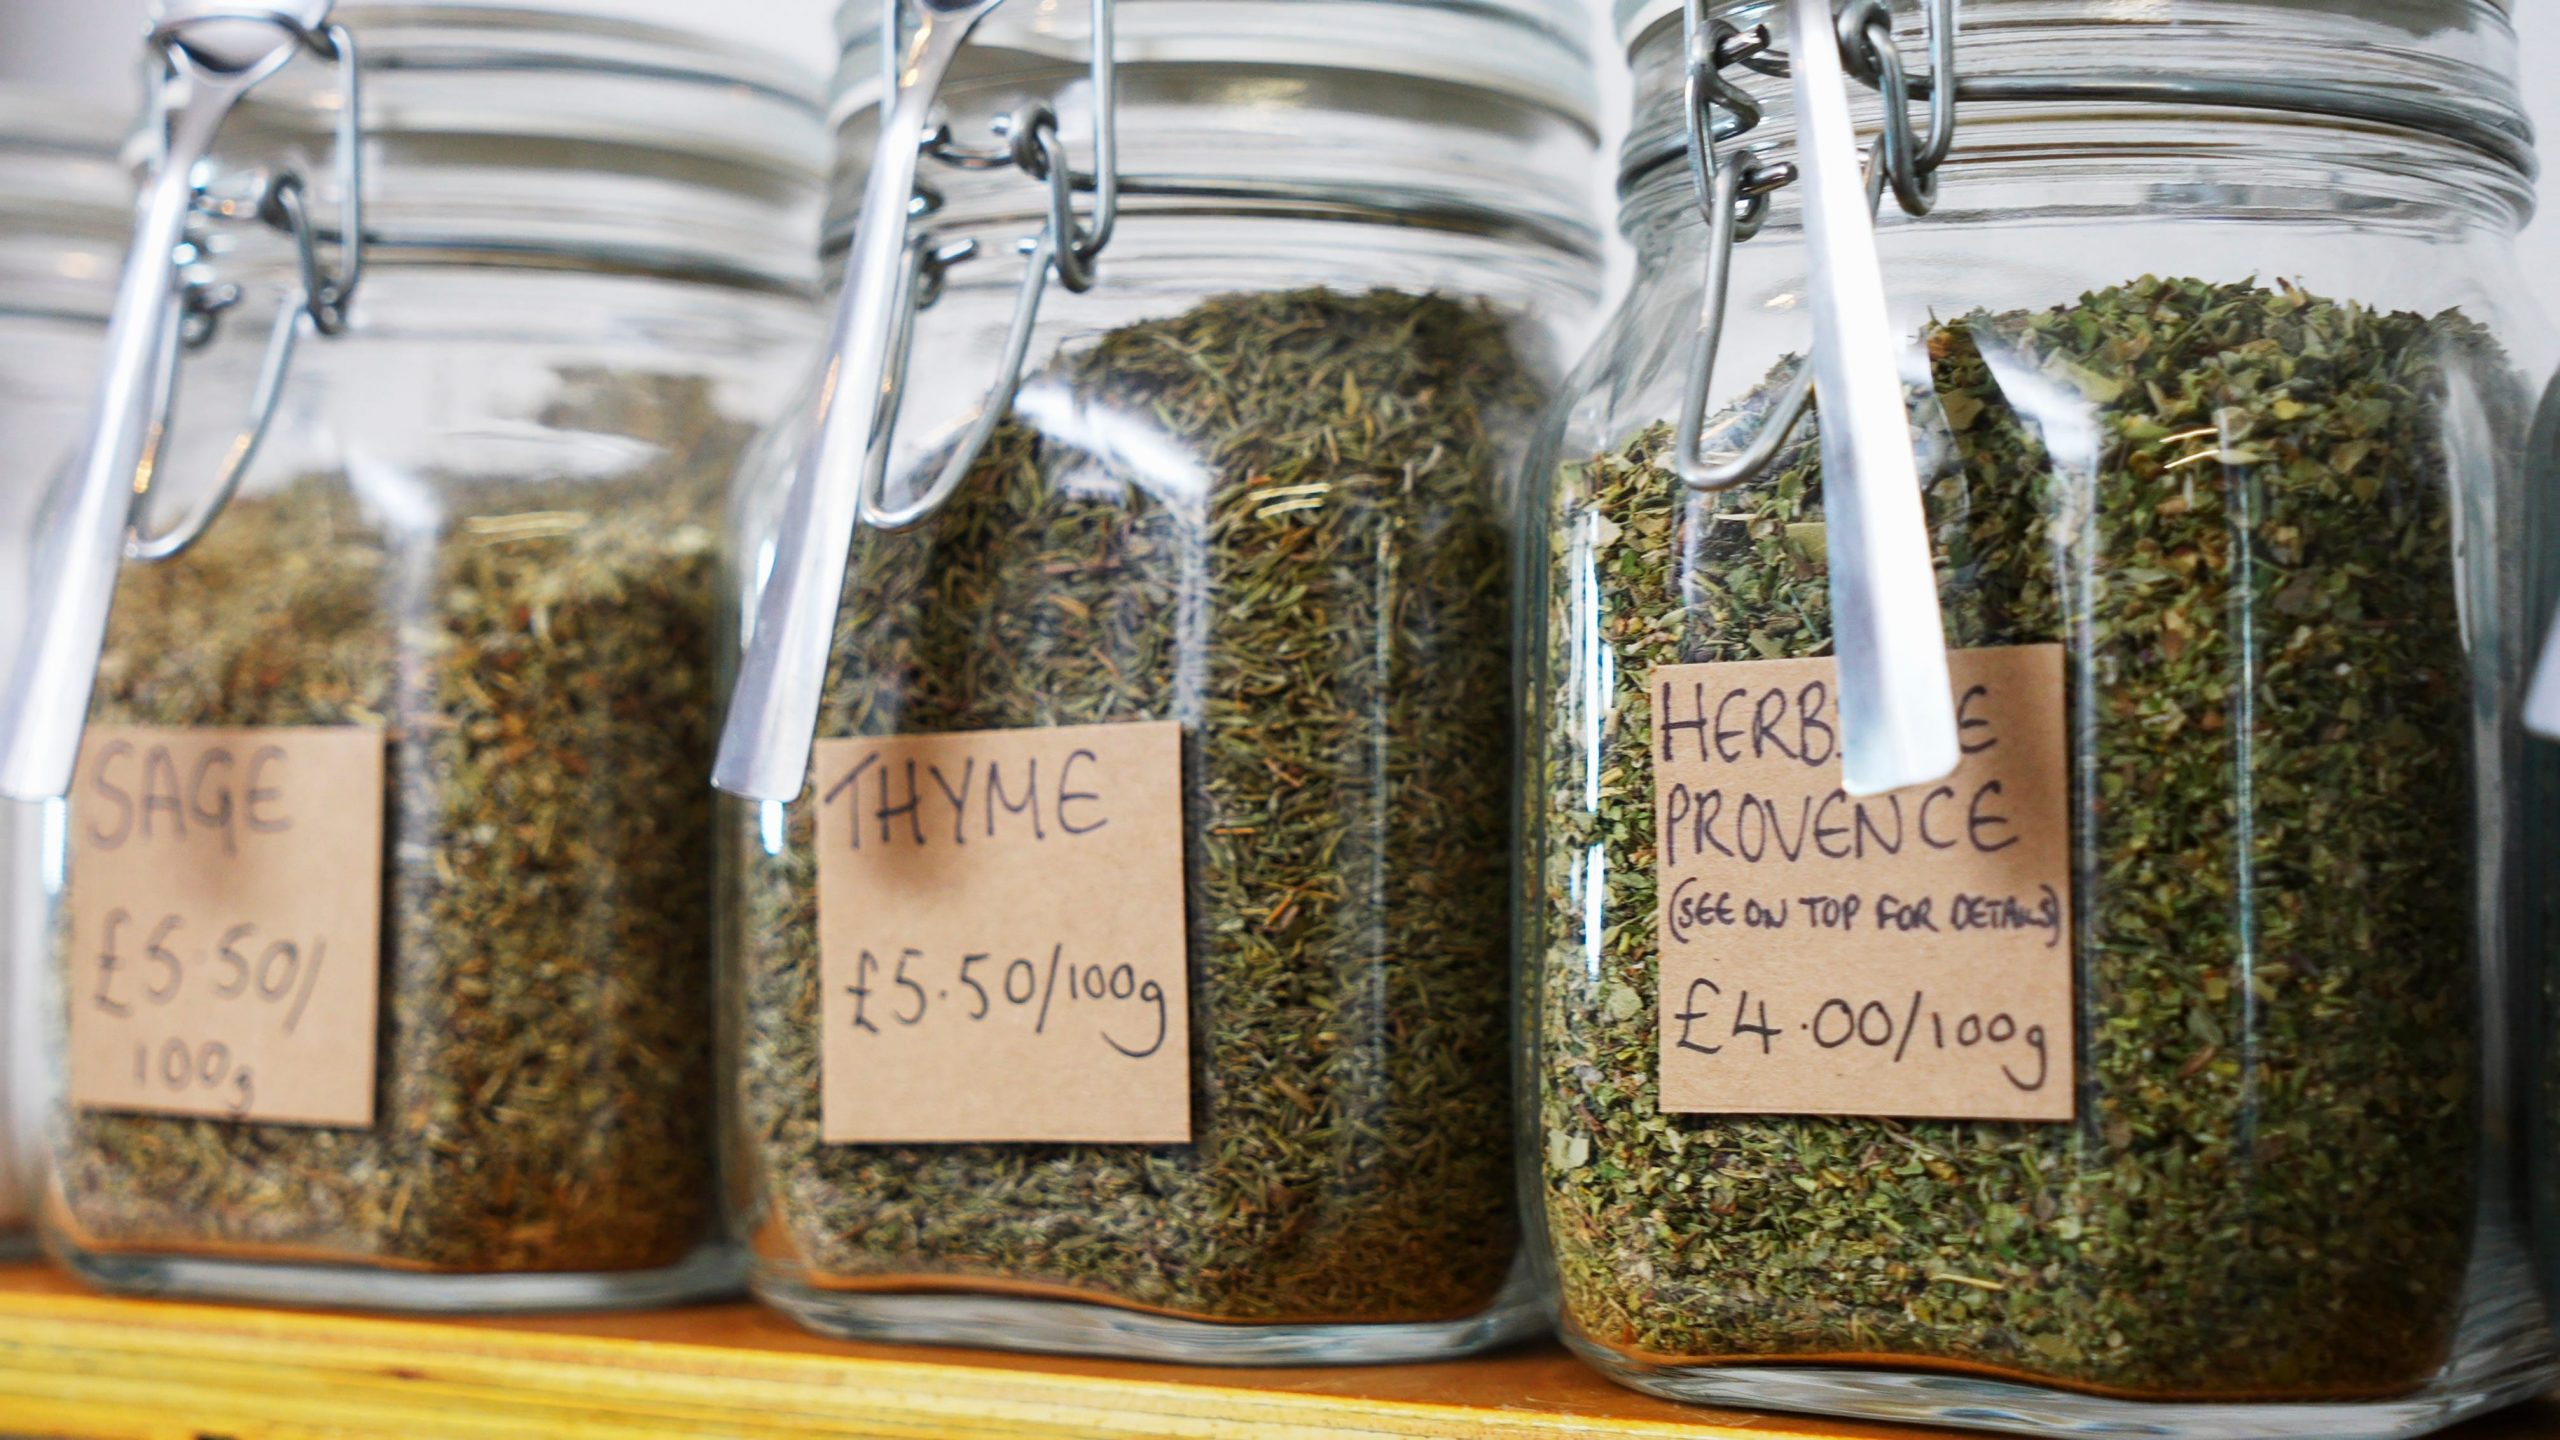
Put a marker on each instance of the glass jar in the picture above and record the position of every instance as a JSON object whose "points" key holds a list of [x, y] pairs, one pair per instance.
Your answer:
{"points": [[388, 921], [2538, 977], [2147, 1074], [62, 221], [1241, 534]]}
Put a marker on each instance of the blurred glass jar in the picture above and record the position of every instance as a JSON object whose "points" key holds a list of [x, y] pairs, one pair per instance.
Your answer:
{"points": [[63, 200], [480, 538], [2220, 385], [1255, 482]]}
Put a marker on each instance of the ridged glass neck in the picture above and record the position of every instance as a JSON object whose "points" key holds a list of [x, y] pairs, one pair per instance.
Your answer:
{"points": [[2457, 52], [2086, 117], [1261, 140], [1470, 113], [64, 207], [522, 137], [1536, 51]]}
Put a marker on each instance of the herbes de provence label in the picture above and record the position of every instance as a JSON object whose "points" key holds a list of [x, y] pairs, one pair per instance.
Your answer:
{"points": [[1907, 954]]}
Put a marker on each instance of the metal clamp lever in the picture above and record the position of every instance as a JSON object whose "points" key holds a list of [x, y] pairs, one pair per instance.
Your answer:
{"points": [[773, 713], [1896, 702], [1867, 48], [213, 54], [1717, 109], [320, 297], [1062, 248]]}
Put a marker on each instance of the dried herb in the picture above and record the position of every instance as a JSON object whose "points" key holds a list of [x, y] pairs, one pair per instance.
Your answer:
{"points": [[1310, 576], [542, 658], [2231, 503]]}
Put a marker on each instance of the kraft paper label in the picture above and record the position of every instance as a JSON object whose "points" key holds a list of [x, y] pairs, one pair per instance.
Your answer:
{"points": [[226, 922], [1002, 937], [1903, 955]]}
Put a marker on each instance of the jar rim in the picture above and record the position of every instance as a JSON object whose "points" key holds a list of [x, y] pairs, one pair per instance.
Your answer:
{"points": [[2509, 145], [36, 117], [1536, 51], [691, 90], [1259, 138], [684, 22], [1401, 206], [2459, 90], [1635, 20], [66, 202], [551, 134]]}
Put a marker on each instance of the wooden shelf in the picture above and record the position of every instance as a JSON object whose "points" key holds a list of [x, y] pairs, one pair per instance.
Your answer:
{"points": [[74, 1364]]}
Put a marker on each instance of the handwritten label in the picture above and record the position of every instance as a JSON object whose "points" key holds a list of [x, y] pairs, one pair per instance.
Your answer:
{"points": [[226, 922], [1906, 954], [1002, 937]]}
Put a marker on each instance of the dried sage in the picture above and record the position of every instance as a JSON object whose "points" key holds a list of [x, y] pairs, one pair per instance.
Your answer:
{"points": [[541, 656], [2231, 503], [1276, 519]]}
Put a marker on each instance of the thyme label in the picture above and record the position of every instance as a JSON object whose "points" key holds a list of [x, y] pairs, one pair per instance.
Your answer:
{"points": [[1000, 918]]}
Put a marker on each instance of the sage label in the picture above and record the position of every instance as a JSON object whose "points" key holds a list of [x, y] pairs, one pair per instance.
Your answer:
{"points": [[1002, 937], [226, 922], [1906, 954]]}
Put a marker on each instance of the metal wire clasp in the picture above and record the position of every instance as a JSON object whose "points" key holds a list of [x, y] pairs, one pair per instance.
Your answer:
{"points": [[1064, 248], [895, 271], [322, 296], [1897, 723], [212, 54], [1733, 191]]}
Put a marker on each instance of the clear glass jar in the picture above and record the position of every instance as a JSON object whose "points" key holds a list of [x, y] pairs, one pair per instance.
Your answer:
{"points": [[62, 221], [485, 524], [1254, 482], [2538, 937], [2227, 401]]}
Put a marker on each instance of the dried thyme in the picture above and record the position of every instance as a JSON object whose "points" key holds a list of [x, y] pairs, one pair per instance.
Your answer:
{"points": [[1321, 603], [2231, 503], [542, 661]]}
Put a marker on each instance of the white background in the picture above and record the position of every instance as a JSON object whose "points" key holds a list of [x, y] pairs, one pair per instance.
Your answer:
{"points": [[90, 45]]}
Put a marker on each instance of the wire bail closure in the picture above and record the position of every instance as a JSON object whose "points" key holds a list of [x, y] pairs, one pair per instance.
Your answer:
{"points": [[168, 301], [1033, 147], [897, 270], [321, 296], [1733, 192], [1896, 698]]}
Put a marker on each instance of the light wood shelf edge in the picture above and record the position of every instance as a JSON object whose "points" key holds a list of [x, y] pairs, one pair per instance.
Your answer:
{"points": [[79, 1365], [86, 1367]]}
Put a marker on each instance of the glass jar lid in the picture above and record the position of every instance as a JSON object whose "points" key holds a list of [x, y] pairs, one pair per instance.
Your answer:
{"points": [[66, 201]]}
